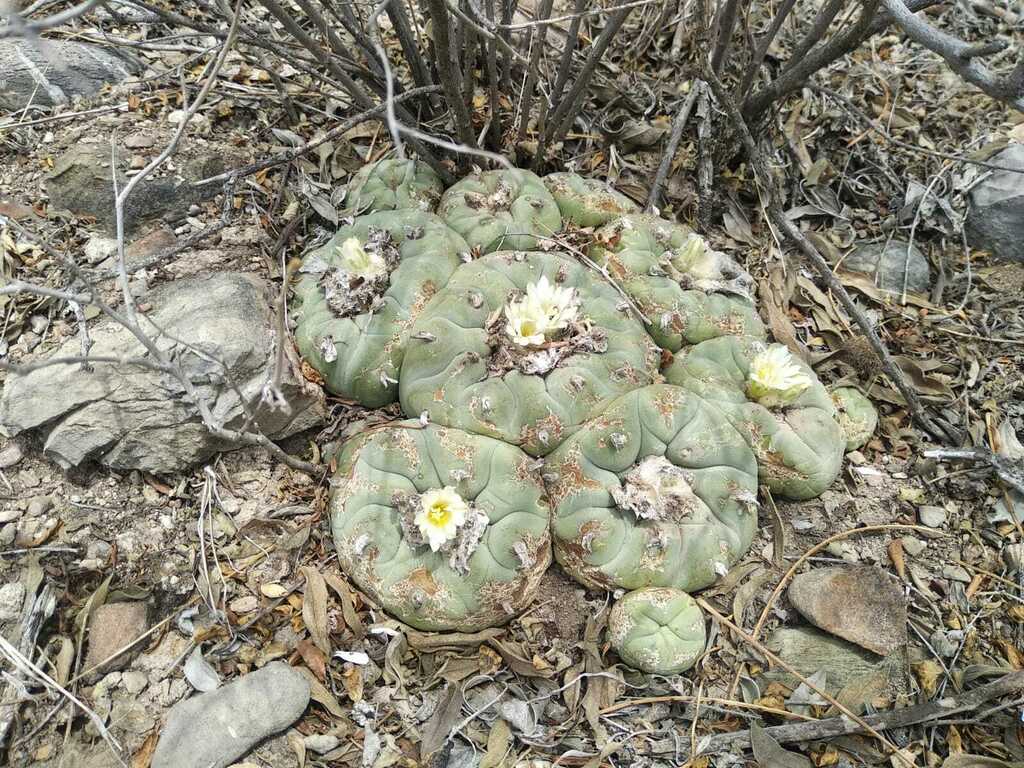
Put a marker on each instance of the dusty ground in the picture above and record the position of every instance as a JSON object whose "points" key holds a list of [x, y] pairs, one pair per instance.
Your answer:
{"points": [[225, 573]]}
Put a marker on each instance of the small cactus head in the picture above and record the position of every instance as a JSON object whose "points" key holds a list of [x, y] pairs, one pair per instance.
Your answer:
{"points": [[775, 379], [658, 630]]}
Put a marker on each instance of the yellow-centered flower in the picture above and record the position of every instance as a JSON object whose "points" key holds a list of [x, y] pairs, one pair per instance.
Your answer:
{"points": [[775, 378], [356, 260], [542, 312], [559, 304], [441, 513]]}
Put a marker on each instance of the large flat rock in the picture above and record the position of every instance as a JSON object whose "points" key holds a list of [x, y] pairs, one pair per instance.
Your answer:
{"points": [[862, 604], [130, 417], [46, 72], [214, 729]]}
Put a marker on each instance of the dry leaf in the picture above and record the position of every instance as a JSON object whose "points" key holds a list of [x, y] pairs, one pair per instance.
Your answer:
{"points": [[352, 677], [313, 657], [348, 607], [144, 756], [928, 673], [896, 555], [199, 673], [273, 590], [314, 609], [321, 695], [498, 742], [770, 754]]}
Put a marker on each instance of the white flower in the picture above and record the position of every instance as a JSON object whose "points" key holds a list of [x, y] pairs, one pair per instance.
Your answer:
{"points": [[356, 260], [527, 323], [441, 513], [775, 378], [559, 304]]}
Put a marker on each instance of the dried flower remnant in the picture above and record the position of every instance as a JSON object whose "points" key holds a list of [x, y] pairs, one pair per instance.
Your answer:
{"points": [[362, 274]]}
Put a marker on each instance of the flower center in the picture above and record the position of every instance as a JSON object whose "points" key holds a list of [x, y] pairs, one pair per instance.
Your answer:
{"points": [[439, 514]]}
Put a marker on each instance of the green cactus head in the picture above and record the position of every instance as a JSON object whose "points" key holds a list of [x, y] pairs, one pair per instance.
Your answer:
{"points": [[659, 489], [446, 530], [523, 347], [857, 417], [501, 210], [392, 185], [587, 202], [358, 295], [687, 292], [657, 630], [776, 401]]}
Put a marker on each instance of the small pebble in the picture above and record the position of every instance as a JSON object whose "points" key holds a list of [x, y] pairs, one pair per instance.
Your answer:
{"points": [[39, 505], [933, 517], [956, 573], [11, 455], [321, 743], [913, 546], [8, 534], [134, 682], [7, 515]]}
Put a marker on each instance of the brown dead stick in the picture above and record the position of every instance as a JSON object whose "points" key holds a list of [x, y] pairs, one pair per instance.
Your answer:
{"points": [[940, 709]]}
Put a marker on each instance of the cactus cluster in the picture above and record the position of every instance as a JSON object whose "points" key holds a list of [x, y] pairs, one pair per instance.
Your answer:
{"points": [[579, 378]]}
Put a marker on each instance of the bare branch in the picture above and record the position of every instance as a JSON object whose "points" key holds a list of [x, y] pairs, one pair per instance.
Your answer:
{"points": [[446, 69], [961, 57], [678, 126], [16, 27]]}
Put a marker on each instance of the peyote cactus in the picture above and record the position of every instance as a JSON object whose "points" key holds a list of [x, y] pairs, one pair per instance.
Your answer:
{"points": [[587, 202], [857, 417], [688, 292], [393, 184], [523, 347], [508, 349], [657, 630], [501, 210], [359, 294], [658, 490], [777, 402], [447, 530]]}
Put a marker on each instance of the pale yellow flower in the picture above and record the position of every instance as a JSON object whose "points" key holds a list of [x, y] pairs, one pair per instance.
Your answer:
{"points": [[356, 260], [696, 258], [775, 378], [441, 513], [559, 304], [527, 323]]}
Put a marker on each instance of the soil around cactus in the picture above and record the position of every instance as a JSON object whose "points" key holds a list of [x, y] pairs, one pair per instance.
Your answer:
{"points": [[446, 373], [602, 541], [356, 338], [431, 590]]}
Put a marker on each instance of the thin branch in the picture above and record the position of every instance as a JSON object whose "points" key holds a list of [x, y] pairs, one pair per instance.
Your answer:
{"points": [[932, 712], [566, 112], [725, 24], [762, 48], [18, 28], [678, 126], [961, 57], [446, 69], [537, 40]]}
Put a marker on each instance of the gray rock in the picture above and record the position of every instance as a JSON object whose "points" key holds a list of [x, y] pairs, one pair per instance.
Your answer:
{"points": [[214, 729], [112, 627], [45, 72], [136, 418], [887, 264], [809, 650], [11, 455], [39, 505], [995, 208], [933, 517], [12, 596], [863, 604], [81, 182]]}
